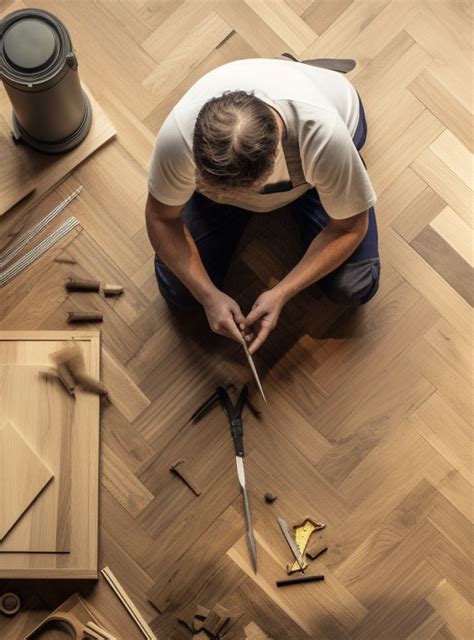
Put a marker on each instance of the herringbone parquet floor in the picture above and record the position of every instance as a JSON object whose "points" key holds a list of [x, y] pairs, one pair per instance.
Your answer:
{"points": [[369, 416]]}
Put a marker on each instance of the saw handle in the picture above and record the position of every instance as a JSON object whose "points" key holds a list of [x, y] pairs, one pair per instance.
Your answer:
{"points": [[237, 430]]}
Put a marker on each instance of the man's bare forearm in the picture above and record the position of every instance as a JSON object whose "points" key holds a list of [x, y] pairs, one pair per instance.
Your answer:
{"points": [[177, 249], [328, 251]]}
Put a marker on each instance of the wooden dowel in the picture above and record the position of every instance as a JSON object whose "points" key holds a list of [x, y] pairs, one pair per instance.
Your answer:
{"points": [[298, 580], [74, 284], [84, 316]]}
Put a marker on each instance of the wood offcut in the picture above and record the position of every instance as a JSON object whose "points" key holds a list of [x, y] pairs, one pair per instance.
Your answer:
{"points": [[125, 599]]}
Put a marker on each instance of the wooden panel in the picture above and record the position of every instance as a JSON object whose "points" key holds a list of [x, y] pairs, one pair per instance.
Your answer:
{"points": [[28, 348], [19, 489], [45, 421], [15, 181]]}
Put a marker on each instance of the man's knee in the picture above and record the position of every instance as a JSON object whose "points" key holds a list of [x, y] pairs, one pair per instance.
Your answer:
{"points": [[353, 283]]}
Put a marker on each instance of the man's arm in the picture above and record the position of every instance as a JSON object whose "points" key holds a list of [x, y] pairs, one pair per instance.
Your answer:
{"points": [[330, 248], [177, 249]]}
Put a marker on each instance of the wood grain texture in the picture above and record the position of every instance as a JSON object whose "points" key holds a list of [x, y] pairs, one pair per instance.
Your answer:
{"points": [[15, 181], [367, 426], [46, 421], [69, 442], [19, 489], [79, 610], [49, 170]]}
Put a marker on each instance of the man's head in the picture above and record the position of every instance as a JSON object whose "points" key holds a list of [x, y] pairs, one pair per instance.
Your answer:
{"points": [[235, 142]]}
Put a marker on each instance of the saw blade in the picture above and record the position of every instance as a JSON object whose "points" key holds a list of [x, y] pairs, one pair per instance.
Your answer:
{"points": [[291, 543]]}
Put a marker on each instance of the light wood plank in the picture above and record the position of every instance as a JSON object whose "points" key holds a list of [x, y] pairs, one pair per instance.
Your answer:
{"points": [[452, 607], [193, 49], [284, 22], [429, 284], [456, 233]]}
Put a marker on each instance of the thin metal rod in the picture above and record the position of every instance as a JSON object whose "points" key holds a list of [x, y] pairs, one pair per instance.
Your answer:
{"points": [[8, 255], [25, 261]]}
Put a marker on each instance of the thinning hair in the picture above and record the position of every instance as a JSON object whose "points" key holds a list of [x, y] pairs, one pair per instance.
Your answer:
{"points": [[235, 141]]}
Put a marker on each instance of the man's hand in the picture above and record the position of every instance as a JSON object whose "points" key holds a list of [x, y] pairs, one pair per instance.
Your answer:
{"points": [[263, 317], [224, 315]]}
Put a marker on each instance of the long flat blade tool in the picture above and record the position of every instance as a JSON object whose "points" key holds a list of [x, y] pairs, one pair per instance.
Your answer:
{"points": [[291, 542], [234, 413]]}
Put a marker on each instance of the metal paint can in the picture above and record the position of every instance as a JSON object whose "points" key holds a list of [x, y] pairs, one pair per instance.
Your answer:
{"points": [[38, 66]]}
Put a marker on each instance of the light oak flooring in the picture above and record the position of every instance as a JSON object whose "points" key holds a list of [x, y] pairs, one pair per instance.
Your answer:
{"points": [[368, 426]]}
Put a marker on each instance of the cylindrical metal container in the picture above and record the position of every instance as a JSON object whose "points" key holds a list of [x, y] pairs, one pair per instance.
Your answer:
{"points": [[51, 112]]}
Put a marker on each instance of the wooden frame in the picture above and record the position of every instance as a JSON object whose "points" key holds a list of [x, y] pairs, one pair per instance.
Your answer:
{"points": [[33, 348]]}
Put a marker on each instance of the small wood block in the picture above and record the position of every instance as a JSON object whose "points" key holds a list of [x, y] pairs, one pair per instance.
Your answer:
{"points": [[316, 550], [200, 617], [187, 618], [178, 469], [112, 289], [65, 260], [84, 316], [214, 623]]}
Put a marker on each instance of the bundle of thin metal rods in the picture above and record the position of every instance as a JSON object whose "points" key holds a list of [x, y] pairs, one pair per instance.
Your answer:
{"points": [[7, 256]]}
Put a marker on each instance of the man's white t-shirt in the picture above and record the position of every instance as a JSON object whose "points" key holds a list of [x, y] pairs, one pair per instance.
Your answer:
{"points": [[327, 108]]}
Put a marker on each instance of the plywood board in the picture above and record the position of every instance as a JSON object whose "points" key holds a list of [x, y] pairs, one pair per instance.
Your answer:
{"points": [[48, 170], [22, 477], [15, 181], [46, 422], [31, 350]]}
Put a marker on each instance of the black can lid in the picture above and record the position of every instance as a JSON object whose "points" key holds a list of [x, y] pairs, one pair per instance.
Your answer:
{"points": [[30, 45], [34, 46]]}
